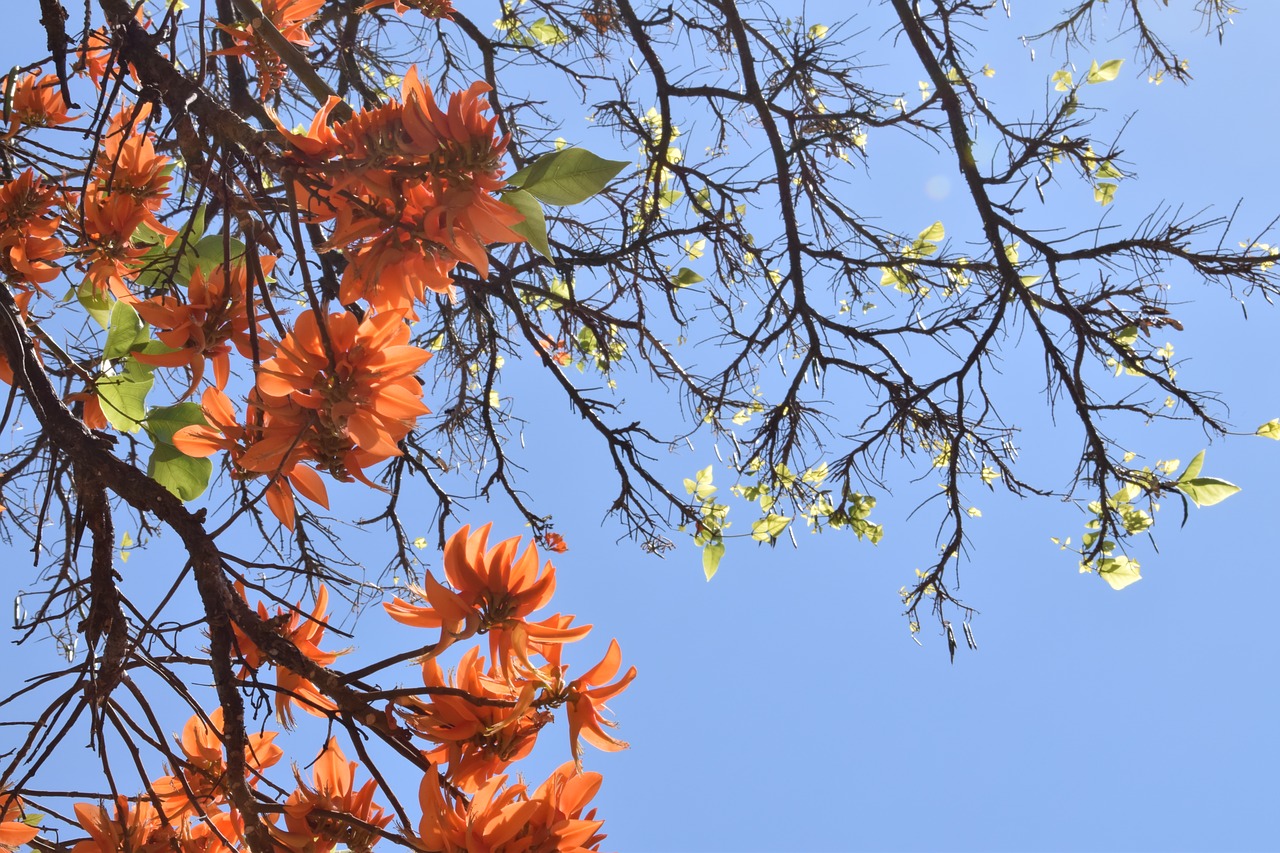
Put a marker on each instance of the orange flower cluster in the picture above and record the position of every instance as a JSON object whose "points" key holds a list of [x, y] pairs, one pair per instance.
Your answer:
{"points": [[13, 832], [129, 183], [511, 819], [29, 247], [36, 102], [305, 634], [213, 317], [333, 813], [409, 188], [494, 590], [290, 18], [478, 721]]}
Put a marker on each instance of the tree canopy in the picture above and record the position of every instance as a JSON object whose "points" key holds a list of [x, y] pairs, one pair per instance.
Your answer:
{"points": [[283, 279]]}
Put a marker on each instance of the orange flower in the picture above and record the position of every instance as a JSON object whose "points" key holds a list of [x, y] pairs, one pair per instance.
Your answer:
{"points": [[206, 769], [587, 696], [290, 18], [509, 820], [259, 448], [13, 832], [363, 395], [111, 256], [28, 223], [305, 634], [36, 102], [136, 828], [214, 317], [319, 819], [477, 739], [410, 187], [554, 542], [128, 164]]}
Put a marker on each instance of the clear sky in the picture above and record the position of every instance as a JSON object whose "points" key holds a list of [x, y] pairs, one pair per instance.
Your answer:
{"points": [[785, 706]]}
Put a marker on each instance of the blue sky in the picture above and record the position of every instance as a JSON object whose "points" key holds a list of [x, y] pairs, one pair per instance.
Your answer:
{"points": [[784, 705]]}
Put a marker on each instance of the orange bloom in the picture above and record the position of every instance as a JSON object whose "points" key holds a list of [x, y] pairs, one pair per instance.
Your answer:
{"points": [[363, 395], [503, 589], [476, 740], [28, 223], [304, 633], [410, 186], [509, 820], [587, 696], [135, 828], [206, 769], [261, 447], [214, 317], [554, 542], [110, 255], [37, 102], [13, 832], [320, 819], [127, 164], [290, 17]]}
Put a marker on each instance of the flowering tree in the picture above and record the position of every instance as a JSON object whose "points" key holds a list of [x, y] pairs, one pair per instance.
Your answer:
{"points": [[225, 296]]}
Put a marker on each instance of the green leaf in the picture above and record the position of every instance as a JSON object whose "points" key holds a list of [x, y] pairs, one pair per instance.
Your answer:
{"points": [[164, 421], [769, 528], [568, 176], [124, 396], [686, 277], [209, 251], [184, 476], [534, 227], [97, 302], [1193, 467], [711, 555], [1119, 572], [125, 329], [1207, 491], [1104, 73], [1271, 429], [934, 233]]}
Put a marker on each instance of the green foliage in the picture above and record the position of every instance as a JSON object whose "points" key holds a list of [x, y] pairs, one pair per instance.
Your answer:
{"points": [[534, 227], [567, 176], [123, 395]]}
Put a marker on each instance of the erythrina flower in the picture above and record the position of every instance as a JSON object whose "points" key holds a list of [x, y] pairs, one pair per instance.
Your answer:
{"points": [[214, 316], [36, 102], [333, 812], [28, 224], [357, 378], [258, 448], [290, 18], [477, 739], [587, 696], [303, 633], [410, 188], [505, 589], [135, 828], [510, 820], [204, 772], [13, 832], [127, 163]]}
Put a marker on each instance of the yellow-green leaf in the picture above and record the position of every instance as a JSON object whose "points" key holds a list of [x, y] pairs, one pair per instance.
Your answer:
{"points": [[1271, 429], [1104, 73], [1207, 491], [1119, 572], [711, 555]]}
